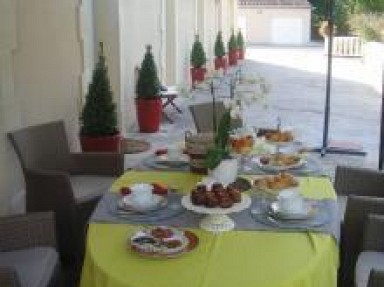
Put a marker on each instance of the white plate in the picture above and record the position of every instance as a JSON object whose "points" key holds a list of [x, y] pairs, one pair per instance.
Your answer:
{"points": [[127, 204], [269, 167], [158, 248], [172, 162], [306, 213]]}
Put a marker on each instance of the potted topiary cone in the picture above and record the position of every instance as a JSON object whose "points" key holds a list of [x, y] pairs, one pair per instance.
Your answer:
{"points": [[240, 45], [99, 118], [232, 50], [148, 102], [198, 60], [220, 60]]}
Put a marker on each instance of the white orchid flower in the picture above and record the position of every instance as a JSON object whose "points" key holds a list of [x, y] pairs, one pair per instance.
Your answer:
{"points": [[235, 112]]}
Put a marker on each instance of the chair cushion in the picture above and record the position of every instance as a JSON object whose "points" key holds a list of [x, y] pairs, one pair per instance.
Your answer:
{"points": [[34, 266], [342, 204], [367, 261], [87, 187]]}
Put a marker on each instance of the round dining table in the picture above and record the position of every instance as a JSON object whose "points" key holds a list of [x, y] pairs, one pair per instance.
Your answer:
{"points": [[246, 258]]}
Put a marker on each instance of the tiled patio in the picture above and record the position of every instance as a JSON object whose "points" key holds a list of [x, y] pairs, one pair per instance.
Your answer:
{"points": [[297, 78]]}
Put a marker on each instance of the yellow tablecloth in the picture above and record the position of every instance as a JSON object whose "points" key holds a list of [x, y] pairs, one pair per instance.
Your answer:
{"points": [[236, 258]]}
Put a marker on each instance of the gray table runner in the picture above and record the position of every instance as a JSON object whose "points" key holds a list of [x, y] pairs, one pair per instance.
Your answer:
{"points": [[312, 167], [250, 219]]}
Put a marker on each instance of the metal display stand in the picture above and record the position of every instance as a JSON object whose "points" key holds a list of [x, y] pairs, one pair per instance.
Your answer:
{"points": [[326, 148], [381, 146]]}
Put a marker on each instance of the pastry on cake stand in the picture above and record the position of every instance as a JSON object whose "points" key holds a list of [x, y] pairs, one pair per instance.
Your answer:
{"points": [[217, 219]]}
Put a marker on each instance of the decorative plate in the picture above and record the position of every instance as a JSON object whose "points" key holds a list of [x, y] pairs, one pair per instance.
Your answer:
{"points": [[163, 242]]}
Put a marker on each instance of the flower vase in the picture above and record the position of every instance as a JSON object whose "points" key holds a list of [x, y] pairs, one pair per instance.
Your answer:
{"points": [[226, 171]]}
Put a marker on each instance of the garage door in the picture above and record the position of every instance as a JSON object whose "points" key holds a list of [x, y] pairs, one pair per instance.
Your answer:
{"points": [[287, 31]]}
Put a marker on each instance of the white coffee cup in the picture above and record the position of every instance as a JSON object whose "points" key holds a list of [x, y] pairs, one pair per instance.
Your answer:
{"points": [[142, 195], [174, 153], [290, 201]]}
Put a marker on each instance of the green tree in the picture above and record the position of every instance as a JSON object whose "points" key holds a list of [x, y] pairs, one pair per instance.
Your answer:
{"points": [[198, 58], [240, 40], [365, 6], [148, 84], [99, 116], [219, 45], [232, 43]]}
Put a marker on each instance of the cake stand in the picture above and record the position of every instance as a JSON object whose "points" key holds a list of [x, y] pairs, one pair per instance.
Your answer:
{"points": [[217, 219]]}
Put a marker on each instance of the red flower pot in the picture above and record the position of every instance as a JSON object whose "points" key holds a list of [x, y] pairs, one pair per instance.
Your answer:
{"points": [[100, 143], [221, 63], [197, 75], [149, 114], [240, 54], [232, 58]]}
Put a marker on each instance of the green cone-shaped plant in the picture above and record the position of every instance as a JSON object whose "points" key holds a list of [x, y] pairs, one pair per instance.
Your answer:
{"points": [[232, 43], [240, 40], [198, 58], [99, 117], [148, 84], [219, 45]]}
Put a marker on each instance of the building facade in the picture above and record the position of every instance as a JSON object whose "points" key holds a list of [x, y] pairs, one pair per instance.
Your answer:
{"points": [[280, 22]]}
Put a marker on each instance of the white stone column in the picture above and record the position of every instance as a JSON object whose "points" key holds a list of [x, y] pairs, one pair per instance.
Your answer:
{"points": [[11, 181], [171, 41]]}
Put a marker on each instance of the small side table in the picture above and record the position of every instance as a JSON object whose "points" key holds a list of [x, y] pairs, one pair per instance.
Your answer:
{"points": [[168, 98]]}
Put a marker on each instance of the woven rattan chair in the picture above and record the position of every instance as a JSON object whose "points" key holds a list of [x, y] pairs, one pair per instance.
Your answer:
{"points": [[202, 116], [376, 278], [370, 263], [27, 251], [357, 181], [68, 183], [357, 212]]}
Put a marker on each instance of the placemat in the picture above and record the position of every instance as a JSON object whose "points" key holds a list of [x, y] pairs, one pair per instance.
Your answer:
{"points": [[129, 146], [175, 215]]}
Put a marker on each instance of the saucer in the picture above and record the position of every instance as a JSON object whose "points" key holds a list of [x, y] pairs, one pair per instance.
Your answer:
{"points": [[307, 212], [126, 203], [165, 160]]}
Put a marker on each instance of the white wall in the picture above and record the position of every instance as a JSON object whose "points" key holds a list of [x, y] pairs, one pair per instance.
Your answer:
{"points": [[106, 30], [87, 36], [40, 75]]}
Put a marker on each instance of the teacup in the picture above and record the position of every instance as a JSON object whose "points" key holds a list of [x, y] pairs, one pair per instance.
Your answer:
{"points": [[290, 201], [142, 195], [174, 153]]}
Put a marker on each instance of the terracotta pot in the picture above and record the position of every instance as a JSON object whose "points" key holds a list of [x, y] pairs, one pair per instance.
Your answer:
{"points": [[149, 113], [240, 54], [100, 143], [197, 75], [221, 63], [232, 58]]}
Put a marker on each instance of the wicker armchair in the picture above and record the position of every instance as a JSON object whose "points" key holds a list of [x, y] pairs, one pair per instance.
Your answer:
{"points": [[370, 263], [357, 181], [202, 116], [27, 251], [68, 183], [352, 240]]}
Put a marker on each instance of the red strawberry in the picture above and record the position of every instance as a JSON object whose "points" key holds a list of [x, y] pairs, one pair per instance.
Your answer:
{"points": [[125, 190], [161, 151], [159, 189]]}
